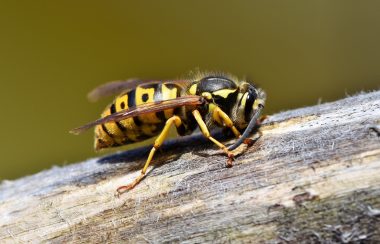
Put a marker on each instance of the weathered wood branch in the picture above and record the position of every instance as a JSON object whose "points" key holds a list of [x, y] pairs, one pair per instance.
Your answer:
{"points": [[313, 175]]}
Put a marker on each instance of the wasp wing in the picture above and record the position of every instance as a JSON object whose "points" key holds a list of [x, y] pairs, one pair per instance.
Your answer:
{"points": [[143, 109], [116, 87]]}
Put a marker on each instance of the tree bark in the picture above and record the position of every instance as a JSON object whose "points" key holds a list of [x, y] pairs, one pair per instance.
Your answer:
{"points": [[312, 176]]}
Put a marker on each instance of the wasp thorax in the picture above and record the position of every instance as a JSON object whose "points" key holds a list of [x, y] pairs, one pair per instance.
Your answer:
{"points": [[217, 90]]}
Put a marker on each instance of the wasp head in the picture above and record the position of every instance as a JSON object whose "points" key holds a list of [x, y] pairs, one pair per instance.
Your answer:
{"points": [[249, 101]]}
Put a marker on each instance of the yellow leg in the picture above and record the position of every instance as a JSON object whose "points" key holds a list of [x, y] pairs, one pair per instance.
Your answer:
{"points": [[157, 143], [207, 134], [227, 121]]}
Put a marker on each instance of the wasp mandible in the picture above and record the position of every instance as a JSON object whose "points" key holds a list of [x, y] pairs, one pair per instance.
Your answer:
{"points": [[144, 109]]}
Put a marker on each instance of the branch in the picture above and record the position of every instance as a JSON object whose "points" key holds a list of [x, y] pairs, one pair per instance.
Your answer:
{"points": [[313, 175]]}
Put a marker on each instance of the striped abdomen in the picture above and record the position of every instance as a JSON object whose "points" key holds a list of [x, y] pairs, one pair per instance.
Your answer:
{"points": [[139, 128]]}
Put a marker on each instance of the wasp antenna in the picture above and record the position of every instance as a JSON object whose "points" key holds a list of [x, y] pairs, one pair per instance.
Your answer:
{"points": [[247, 130]]}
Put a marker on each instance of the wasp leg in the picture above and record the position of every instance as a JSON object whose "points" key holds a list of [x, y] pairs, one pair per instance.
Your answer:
{"points": [[157, 143], [207, 134], [219, 114], [228, 123]]}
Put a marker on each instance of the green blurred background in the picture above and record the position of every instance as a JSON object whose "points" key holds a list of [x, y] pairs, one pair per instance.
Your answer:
{"points": [[53, 52]]}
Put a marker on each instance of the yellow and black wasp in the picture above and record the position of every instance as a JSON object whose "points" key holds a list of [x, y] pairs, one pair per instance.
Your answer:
{"points": [[145, 109]]}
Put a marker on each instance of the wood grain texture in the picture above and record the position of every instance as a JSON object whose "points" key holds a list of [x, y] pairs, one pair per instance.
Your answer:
{"points": [[313, 175]]}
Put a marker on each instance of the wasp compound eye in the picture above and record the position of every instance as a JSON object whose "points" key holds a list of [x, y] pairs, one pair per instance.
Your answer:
{"points": [[251, 97]]}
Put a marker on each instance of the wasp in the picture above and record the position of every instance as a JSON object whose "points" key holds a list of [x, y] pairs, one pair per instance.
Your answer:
{"points": [[144, 109]]}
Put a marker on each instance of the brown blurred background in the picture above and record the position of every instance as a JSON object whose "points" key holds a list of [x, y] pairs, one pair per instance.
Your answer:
{"points": [[53, 52]]}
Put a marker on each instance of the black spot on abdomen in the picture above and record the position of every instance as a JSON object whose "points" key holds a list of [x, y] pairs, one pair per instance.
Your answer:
{"points": [[145, 97]]}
